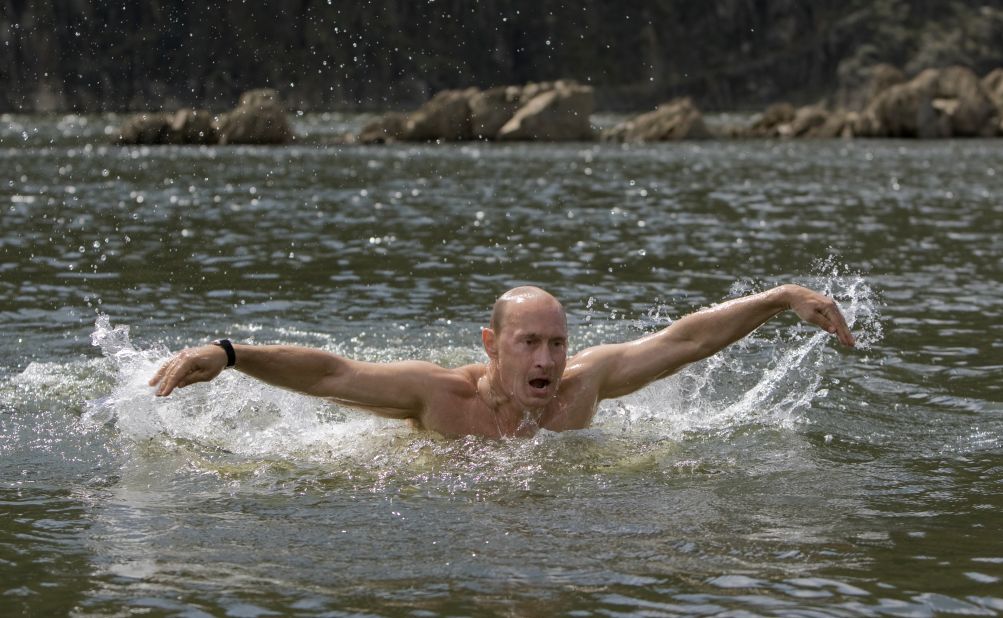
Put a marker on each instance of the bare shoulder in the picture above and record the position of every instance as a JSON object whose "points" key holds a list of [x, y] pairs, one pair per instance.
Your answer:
{"points": [[436, 378], [449, 397], [609, 369], [591, 361], [464, 379]]}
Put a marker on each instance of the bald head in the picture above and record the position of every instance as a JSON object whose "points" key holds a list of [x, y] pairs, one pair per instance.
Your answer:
{"points": [[523, 296]]}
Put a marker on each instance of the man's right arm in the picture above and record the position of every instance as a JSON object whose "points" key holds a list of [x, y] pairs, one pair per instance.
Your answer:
{"points": [[391, 389]]}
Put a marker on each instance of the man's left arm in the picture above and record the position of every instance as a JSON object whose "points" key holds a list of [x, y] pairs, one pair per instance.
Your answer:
{"points": [[621, 369]]}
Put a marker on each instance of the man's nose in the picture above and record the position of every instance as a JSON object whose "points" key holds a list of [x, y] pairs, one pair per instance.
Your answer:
{"points": [[543, 358]]}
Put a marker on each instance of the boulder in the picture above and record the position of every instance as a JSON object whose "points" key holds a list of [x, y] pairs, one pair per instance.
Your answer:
{"points": [[533, 89], [491, 109], [446, 116], [992, 83], [146, 128], [838, 124], [192, 126], [805, 121], [817, 122], [858, 88], [558, 114], [768, 124], [385, 129], [678, 119], [936, 103], [259, 119], [881, 77]]}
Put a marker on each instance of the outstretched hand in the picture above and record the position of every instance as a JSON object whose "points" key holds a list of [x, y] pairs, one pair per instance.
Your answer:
{"points": [[819, 310], [188, 367]]}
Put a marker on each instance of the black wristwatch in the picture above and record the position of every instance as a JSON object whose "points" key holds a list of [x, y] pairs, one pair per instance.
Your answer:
{"points": [[231, 356]]}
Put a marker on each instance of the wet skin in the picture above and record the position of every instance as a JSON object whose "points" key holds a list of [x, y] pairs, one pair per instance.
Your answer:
{"points": [[528, 383]]}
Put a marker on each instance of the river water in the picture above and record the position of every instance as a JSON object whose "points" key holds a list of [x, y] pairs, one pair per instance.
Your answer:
{"points": [[786, 476]]}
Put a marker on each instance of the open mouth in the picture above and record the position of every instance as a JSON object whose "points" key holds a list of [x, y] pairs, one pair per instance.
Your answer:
{"points": [[539, 383]]}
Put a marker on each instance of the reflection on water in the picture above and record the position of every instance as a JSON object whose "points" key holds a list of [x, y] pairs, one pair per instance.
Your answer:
{"points": [[784, 476]]}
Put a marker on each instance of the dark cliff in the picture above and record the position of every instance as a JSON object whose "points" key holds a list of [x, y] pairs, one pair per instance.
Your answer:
{"points": [[95, 55]]}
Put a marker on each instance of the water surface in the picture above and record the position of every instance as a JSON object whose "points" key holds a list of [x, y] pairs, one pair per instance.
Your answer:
{"points": [[785, 476]]}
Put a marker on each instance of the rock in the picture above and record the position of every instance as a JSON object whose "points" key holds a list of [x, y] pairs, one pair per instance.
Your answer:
{"points": [[805, 121], [882, 77], [992, 83], [385, 129], [258, 119], [534, 89], [146, 128], [192, 126], [817, 122], [960, 97], [559, 114], [936, 103], [812, 121], [768, 124], [678, 119], [446, 116], [860, 87], [838, 124], [491, 109]]}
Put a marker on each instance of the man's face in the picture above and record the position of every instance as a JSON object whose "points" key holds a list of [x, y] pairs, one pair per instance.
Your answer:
{"points": [[531, 351]]}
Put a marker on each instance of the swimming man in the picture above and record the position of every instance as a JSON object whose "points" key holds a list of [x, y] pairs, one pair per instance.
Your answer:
{"points": [[528, 382]]}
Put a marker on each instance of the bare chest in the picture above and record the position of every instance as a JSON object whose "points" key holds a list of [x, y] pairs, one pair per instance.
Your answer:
{"points": [[572, 408]]}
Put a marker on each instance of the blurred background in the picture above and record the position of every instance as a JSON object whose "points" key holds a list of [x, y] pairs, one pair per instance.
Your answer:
{"points": [[97, 56]]}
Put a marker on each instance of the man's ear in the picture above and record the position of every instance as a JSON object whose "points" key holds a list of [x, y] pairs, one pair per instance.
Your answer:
{"points": [[490, 345]]}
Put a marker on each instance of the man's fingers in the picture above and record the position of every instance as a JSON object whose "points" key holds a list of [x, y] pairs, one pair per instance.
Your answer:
{"points": [[842, 330], [172, 378], [833, 322], [187, 367], [166, 384], [845, 336], [160, 373], [822, 321]]}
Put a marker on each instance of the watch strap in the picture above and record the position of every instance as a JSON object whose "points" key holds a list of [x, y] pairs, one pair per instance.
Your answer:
{"points": [[231, 355]]}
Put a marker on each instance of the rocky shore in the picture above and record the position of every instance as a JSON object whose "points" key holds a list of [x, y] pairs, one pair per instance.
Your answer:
{"points": [[936, 103], [259, 118]]}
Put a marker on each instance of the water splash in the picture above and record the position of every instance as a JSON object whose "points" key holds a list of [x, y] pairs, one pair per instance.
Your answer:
{"points": [[232, 414], [768, 378]]}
